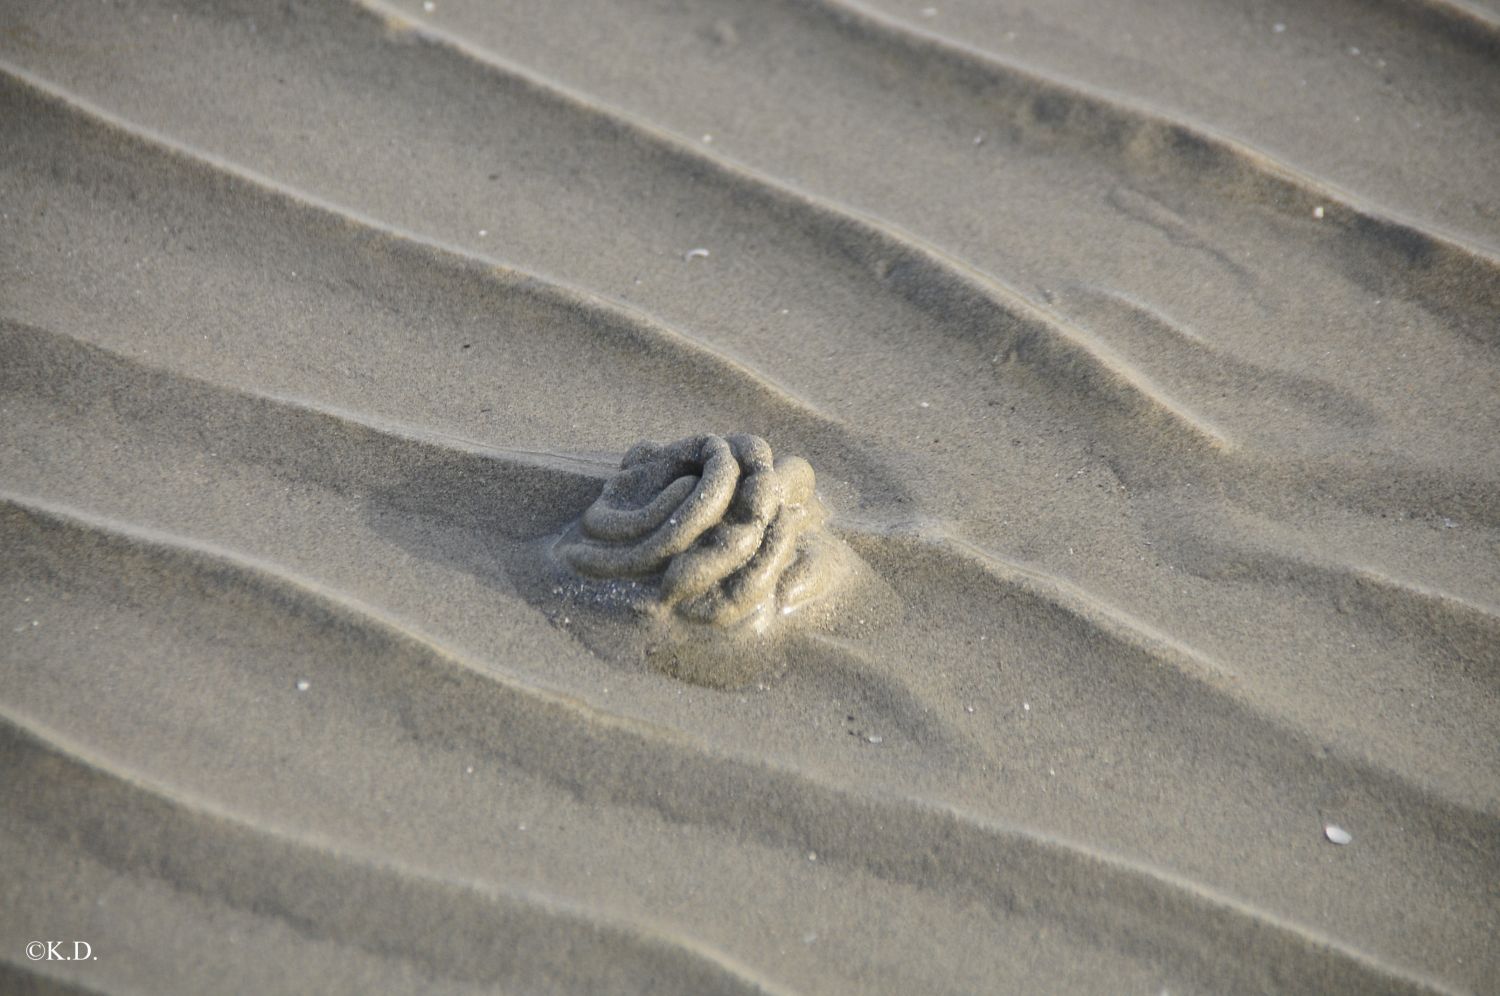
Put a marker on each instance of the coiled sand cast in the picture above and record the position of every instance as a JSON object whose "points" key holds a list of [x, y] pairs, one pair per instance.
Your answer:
{"points": [[712, 528]]}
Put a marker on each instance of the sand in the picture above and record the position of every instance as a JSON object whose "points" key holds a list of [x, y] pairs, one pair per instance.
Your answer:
{"points": [[1147, 357]]}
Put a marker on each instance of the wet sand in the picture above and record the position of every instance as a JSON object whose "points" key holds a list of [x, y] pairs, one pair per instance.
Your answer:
{"points": [[1147, 362]]}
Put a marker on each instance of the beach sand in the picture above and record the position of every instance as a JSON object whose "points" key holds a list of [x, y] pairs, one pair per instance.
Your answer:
{"points": [[1147, 356]]}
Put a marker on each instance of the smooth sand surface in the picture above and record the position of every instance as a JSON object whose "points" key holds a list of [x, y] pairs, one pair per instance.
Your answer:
{"points": [[1148, 359]]}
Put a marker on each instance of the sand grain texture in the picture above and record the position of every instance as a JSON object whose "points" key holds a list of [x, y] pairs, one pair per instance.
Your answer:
{"points": [[1147, 362]]}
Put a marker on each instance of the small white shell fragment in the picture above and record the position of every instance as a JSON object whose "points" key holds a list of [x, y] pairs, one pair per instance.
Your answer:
{"points": [[1337, 834], [303, 685], [1318, 211], [876, 739], [699, 253]]}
